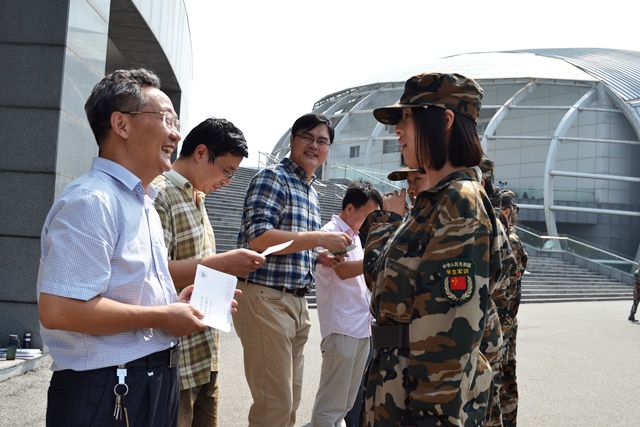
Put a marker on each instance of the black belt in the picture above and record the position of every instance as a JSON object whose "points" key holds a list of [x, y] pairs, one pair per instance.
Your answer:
{"points": [[162, 359], [391, 336], [297, 292]]}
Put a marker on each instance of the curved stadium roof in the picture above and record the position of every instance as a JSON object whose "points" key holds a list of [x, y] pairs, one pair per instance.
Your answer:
{"points": [[618, 69]]}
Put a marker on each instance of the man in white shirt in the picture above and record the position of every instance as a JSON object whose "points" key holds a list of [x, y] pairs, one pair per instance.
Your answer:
{"points": [[343, 310]]}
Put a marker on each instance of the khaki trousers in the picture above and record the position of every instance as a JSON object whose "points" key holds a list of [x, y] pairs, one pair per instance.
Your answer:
{"points": [[344, 359], [273, 327]]}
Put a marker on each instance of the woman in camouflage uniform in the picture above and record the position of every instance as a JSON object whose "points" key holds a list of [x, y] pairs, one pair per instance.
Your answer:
{"points": [[430, 274]]}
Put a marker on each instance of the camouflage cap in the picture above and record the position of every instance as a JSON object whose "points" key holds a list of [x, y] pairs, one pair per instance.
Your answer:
{"points": [[451, 91], [495, 197], [487, 168], [507, 198], [403, 173]]}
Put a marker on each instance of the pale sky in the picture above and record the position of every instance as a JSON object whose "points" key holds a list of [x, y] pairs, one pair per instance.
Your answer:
{"points": [[262, 64]]}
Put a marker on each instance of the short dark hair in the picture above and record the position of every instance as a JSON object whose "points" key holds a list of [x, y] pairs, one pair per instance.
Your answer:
{"points": [[122, 90], [310, 121], [359, 193], [432, 150], [220, 136]]}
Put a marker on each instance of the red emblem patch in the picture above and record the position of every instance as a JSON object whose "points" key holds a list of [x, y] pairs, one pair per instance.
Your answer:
{"points": [[458, 279], [458, 283]]}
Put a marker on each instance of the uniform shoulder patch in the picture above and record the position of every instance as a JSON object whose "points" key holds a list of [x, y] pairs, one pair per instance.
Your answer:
{"points": [[457, 279]]}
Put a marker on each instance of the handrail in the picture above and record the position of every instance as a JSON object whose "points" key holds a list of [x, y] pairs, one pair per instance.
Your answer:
{"points": [[342, 187], [572, 245], [375, 178], [269, 156]]}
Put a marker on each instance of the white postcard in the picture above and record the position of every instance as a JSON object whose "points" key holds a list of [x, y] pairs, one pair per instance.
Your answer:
{"points": [[212, 295], [276, 248]]}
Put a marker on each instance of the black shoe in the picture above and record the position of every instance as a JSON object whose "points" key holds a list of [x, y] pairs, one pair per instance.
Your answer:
{"points": [[632, 318]]}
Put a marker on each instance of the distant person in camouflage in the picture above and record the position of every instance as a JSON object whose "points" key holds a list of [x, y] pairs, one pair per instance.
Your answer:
{"points": [[416, 179], [636, 294], [430, 273], [493, 345], [509, 390]]}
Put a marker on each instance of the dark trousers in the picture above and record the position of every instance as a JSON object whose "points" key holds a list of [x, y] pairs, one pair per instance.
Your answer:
{"points": [[634, 306], [87, 398]]}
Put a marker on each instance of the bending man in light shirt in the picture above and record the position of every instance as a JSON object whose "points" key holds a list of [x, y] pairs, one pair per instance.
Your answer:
{"points": [[210, 155], [343, 310]]}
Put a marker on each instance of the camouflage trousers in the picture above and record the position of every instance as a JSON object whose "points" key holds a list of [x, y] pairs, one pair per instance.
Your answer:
{"points": [[509, 386], [492, 346], [634, 306], [391, 399]]}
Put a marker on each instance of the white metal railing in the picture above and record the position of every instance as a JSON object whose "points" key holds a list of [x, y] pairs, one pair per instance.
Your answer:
{"points": [[270, 160], [573, 245], [352, 173]]}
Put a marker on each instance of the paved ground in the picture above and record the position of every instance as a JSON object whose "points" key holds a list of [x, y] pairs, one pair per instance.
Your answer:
{"points": [[578, 365]]}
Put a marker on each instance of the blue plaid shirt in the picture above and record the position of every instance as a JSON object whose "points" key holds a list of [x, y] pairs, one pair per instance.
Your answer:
{"points": [[280, 198]]}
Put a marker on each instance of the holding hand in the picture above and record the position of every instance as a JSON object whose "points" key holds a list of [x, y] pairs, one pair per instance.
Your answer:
{"points": [[238, 262], [182, 319], [329, 260], [335, 241], [234, 303], [185, 294], [395, 202]]}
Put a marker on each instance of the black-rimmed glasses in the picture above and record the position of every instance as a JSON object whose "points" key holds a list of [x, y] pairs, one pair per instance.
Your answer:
{"points": [[228, 176], [321, 141]]}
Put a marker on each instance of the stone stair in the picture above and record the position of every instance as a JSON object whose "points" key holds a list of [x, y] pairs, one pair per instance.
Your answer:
{"points": [[550, 279]]}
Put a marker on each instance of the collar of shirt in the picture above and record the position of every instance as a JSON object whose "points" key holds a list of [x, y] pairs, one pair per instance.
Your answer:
{"points": [[343, 226], [297, 170], [188, 189], [123, 175], [179, 180], [183, 183]]}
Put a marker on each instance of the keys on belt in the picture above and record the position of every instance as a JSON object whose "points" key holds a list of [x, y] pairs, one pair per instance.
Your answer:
{"points": [[390, 336]]}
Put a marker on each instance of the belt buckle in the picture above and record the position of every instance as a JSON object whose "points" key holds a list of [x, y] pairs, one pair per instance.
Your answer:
{"points": [[174, 356], [301, 292]]}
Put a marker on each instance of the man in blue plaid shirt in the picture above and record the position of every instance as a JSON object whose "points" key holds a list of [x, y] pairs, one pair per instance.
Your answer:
{"points": [[273, 319]]}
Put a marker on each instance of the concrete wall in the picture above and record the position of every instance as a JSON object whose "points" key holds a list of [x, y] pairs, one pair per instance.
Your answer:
{"points": [[52, 54]]}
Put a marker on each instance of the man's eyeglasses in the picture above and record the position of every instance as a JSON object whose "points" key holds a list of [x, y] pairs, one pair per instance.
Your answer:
{"points": [[228, 176], [169, 121], [321, 141]]}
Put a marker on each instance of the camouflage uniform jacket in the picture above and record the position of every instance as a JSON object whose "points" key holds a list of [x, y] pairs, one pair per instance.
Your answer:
{"points": [[431, 273], [492, 339], [514, 290]]}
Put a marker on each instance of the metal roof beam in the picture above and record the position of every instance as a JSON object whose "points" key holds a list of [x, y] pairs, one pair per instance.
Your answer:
{"points": [[594, 176]]}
